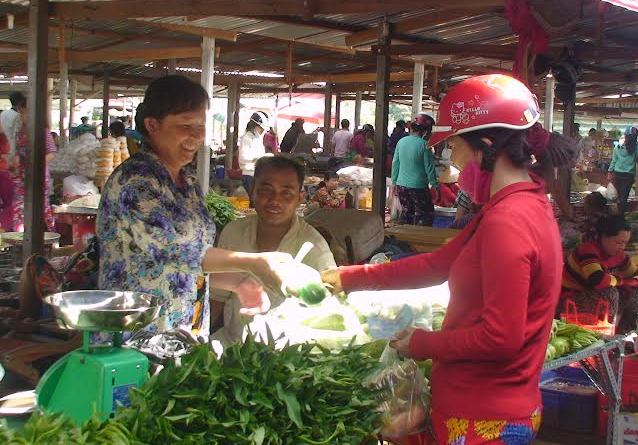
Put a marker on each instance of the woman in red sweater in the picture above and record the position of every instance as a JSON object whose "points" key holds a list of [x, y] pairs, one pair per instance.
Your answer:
{"points": [[504, 273]]}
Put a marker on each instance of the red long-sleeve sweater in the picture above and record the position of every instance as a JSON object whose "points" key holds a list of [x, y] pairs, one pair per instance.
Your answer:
{"points": [[504, 272]]}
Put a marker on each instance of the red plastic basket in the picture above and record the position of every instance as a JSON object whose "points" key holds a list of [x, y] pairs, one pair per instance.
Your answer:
{"points": [[597, 321]]}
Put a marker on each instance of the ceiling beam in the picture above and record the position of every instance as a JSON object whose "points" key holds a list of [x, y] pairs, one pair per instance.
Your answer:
{"points": [[350, 78], [124, 9], [407, 25], [617, 77], [498, 52], [134, 54], [194, 30]]}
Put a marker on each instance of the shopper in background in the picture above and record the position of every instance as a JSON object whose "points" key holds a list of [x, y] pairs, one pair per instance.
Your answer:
{"points": [[270, 141], [84, 127], [504, 274], [290, 138], [622, 169], [398, 133], [6, 187], [341, 140], [600, 271], [251, 148], [363, 142], [413, 172], [11, 122]]}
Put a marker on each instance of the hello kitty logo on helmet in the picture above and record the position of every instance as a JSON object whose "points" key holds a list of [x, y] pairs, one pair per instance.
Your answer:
{"points": [[489, 101]]}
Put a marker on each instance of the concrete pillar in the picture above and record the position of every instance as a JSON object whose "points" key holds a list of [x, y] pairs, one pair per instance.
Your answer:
{"points": [[73, 99], [64, 86], [208, 72], [233, 92], [417, 87], [327, 114], [549, 103]]}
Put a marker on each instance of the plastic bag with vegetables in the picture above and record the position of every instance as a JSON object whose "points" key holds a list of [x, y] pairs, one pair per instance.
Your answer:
{"points": [[404, 395]]}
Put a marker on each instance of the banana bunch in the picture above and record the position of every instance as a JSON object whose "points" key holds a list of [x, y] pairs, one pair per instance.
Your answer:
{"points": [[568, 338]]}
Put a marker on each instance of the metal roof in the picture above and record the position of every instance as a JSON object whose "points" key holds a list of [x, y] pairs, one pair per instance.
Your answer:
{"points": [[263, 42]]}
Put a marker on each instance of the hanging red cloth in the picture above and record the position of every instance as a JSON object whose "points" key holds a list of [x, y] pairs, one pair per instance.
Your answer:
{"points": [[530, 35]]}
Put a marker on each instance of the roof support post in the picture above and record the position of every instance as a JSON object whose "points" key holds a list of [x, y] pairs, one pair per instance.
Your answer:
{"points": [[208, 73], [73, 99], [64, 86], [417, 87], [381, 119], [357, 110], [549, 103], [106, 97], [338, 111], [34, 226], [172, 67], [327, 116], [231, 124]]}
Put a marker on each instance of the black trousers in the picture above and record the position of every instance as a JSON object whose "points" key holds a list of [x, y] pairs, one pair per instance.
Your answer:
{"points": [[623, 183]]}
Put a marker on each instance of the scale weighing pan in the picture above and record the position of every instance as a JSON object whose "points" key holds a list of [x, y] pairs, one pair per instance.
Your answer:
{"points": [[104, 311]]}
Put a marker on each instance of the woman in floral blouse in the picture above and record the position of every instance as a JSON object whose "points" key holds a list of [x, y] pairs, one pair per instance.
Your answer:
{"points": [[155, 234]]}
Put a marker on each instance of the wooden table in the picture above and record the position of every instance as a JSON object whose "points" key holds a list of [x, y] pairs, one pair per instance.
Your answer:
{"points": [[422, 238]]}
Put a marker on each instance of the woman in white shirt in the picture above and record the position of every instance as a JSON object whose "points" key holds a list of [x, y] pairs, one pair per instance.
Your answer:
{"points": [[251, 148]]}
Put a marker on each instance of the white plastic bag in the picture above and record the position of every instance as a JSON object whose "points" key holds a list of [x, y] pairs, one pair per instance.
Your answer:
{"points": [[78, 185], [395, 204], [611, 193]]}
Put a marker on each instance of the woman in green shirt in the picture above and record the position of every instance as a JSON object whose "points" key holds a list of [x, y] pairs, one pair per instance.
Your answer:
{"points": [[413, 173], [622, 169]]}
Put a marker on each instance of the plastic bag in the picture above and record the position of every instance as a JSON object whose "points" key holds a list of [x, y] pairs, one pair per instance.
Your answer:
{"points": [[78, 185], [611, 193], [404, 395], [395, 205]]}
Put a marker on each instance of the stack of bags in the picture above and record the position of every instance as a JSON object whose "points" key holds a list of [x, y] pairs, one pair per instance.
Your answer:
{"points": [[104, 160], [123, 148]]}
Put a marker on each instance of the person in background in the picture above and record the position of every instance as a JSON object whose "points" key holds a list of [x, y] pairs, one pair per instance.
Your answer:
{"points": [[504, 275], [6, 187], [23, 147], [413, 172], [84, 127], [398, 133], [622, 169], [587, 147], [251, 148], [11, 122], [290, 138], [154, 231], [426, 121], [325, 195], [275, 227], [363, 142], [270, 141], [341, 140], [595, 208], [600, 270], [56, 139]]}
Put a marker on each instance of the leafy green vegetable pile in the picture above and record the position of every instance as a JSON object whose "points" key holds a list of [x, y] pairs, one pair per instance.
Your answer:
{"points": [[220, 209], [252, 395], [568, 338]]}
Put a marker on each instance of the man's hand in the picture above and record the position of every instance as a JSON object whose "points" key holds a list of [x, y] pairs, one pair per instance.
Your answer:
{"points": [[252, 297], [332, 278]]}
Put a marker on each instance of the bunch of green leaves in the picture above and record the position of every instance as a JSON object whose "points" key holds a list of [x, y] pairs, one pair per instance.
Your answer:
{"points": [[55, 429], [255, 395], [220, 209]]}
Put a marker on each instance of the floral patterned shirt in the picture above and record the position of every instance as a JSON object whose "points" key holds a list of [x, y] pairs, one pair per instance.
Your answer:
{"points": [[153, 235]]}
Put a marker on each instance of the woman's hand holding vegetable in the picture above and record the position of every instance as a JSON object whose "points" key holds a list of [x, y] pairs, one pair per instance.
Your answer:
{"points": [[333, 278], [402, 342]]}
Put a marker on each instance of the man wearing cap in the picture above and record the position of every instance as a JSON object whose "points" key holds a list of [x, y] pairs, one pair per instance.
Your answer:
{"points": [[251, 147]]}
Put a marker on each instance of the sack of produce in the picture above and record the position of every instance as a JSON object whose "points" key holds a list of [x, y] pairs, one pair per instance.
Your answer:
{"points": [[404, 395]]}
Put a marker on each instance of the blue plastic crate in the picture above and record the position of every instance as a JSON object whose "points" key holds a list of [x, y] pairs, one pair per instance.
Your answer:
{"points": [[572, 407], [442, 222]]}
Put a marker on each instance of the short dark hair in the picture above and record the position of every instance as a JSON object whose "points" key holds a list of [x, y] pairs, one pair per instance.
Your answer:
{"points": [[345, 123], [117, 129], [279, 163], [18, 99], [596, 201], [84, 118], [612, 225], [327, 176], [400, 123], [592, 130], [170, 95], [511, 143]]}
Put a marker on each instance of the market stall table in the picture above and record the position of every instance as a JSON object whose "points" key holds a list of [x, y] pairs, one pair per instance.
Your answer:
{"points": [[82, 221]]}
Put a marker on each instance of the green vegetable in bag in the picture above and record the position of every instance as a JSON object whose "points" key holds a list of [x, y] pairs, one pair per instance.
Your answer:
{"points": [[332, 322]]}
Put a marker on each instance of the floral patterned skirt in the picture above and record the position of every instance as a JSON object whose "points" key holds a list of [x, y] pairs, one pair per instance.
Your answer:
{"points": [[458, 431], [18, 203]]}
